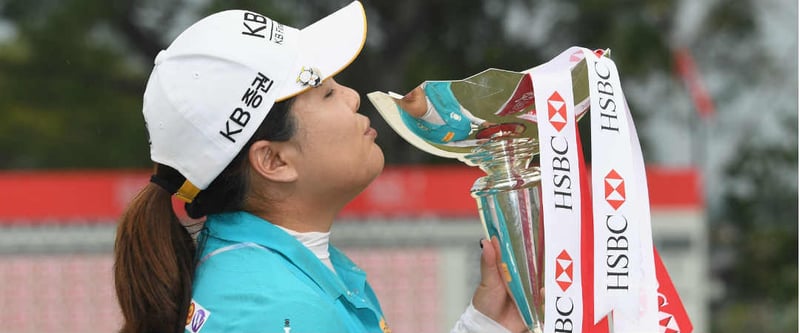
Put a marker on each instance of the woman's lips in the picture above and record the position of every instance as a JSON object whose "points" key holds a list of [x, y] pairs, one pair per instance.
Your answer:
{"points": [[370, 131]]}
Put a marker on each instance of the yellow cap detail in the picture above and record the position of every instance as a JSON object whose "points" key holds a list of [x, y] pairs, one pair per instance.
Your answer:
{"points": [[187, 192]]}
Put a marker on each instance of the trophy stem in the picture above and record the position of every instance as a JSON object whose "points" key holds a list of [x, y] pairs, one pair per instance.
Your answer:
{"points": [[509, 201], [506, 161]]}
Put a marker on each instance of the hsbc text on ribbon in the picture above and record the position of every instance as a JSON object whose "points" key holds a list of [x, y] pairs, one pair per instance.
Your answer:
{"points": [[608, 108], [617, 253], [564, 307], [562, 194]]}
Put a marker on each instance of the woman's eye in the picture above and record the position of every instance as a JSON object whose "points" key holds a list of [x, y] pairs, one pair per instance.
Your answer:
{"points": [[329, 93]]}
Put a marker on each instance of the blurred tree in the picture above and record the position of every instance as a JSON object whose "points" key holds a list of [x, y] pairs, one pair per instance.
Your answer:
{"points": [[68, 94], [755, 223], [761, 282], [761, 208]]}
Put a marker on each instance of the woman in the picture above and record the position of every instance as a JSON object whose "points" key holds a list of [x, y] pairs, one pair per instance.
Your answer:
{"points": [[432, 112], [248, 126]]}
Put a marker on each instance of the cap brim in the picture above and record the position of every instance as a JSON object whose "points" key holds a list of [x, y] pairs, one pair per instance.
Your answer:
{"points": [[329, 45]]}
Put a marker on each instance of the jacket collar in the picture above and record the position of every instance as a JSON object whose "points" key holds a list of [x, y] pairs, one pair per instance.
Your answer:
{"points": [[241, 227]]}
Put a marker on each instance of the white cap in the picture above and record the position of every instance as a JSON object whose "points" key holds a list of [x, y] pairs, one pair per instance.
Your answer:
{"points": [[213, 86]]}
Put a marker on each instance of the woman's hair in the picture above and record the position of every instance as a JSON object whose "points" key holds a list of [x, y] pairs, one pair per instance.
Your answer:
{"points": [[154, 254]]}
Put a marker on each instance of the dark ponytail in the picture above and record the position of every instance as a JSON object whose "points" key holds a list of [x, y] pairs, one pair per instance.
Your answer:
{"points": [[153, 264], [154, 255]]}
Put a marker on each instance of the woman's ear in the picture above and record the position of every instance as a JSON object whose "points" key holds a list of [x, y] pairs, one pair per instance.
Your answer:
{"points": [[268, 159]]}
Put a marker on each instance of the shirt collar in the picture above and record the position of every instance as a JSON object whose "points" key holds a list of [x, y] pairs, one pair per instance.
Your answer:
{"points": [[243, 227]]}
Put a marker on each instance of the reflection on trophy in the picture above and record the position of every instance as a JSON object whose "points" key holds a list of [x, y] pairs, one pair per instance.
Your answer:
{"points": [[509, 204], [488, 121], [432, 112]]}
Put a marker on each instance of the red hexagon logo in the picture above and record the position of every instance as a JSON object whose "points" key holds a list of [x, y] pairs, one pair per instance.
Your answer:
{"points": [[564, 269], [557, 111], [615, 189]]}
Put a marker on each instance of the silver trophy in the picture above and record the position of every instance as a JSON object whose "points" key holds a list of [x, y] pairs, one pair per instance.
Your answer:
{"points": [[488, 120]]}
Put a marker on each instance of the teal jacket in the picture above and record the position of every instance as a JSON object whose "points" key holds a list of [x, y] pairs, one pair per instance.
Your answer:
{"points": [[254, 277]]}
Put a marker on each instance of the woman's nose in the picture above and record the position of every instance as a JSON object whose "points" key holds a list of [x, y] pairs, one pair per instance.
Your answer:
{"points": [[356, 97]]}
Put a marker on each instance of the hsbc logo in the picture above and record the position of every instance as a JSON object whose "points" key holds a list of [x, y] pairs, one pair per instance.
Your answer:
{"points": [[617, 244], [577, 56], [666, 322], [557, 111], [607, 104], [615, 189], [564, 270], [599, 53]]}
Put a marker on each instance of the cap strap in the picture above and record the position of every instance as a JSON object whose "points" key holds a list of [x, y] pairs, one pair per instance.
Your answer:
{"points": [[163, 183], [187, 192], [174, 183]]}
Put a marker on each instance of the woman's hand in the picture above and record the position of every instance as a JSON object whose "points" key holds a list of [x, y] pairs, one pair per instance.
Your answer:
{"points": [[491, 297]]}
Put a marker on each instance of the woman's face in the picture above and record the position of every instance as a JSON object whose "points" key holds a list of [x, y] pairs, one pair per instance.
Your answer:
{"points": [[338, 154], [414, 102]]}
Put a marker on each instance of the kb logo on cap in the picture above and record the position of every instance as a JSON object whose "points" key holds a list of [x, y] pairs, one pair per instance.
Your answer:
{"points": [[252, 98], [255, 26]]}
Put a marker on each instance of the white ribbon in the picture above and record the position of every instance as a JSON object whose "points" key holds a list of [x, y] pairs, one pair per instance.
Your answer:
{"points": [[624, 270], [624, 276], [561, 199], [648, 317]]}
